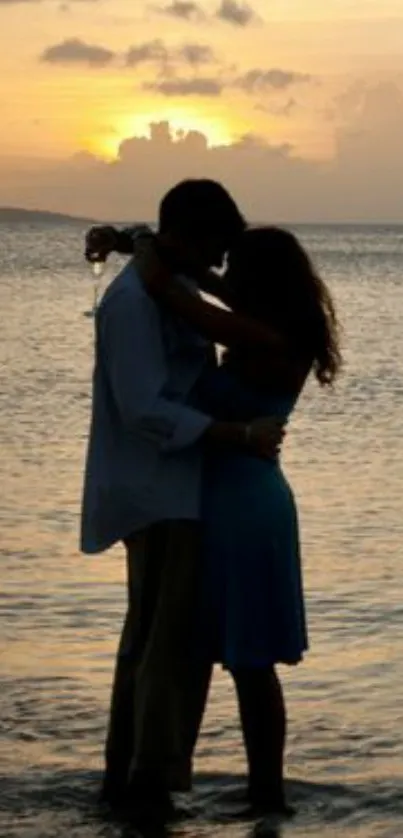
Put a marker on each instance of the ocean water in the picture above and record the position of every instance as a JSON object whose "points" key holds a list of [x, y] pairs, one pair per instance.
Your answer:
{"points": [[61, 612]]}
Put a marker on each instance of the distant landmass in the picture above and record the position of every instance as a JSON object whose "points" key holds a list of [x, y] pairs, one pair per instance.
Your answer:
{"points": [[16, 215]]}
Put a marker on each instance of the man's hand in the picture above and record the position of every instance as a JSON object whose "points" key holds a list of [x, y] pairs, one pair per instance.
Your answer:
{"points": [[100, 242], [265, 436]]}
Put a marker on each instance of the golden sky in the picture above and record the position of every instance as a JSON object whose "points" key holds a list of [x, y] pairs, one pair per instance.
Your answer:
{"points": [[300, 75]]}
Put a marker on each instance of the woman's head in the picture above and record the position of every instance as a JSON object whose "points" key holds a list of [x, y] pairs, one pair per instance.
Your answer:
{"points": [[272, 278]]}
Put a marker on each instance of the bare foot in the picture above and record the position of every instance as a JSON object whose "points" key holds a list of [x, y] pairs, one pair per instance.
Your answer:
{"points": [[263, 805]]}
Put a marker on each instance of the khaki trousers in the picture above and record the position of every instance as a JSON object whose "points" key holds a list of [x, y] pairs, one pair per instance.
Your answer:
{"points": [[161, 680]]}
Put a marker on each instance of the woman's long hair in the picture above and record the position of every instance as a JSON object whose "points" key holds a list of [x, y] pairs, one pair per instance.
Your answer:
{"points": [[271, 277]]}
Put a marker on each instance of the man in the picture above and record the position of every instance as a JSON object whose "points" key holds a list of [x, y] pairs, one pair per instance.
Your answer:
{"points": [[142, 487]]}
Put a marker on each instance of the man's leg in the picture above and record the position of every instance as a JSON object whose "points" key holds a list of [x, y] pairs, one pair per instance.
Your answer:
{"points": [[197, 693], [147, 553], [170, 688], [120, 737]]}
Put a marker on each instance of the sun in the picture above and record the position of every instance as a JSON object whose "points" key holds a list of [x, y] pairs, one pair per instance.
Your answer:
{"points": [[181, 120]]}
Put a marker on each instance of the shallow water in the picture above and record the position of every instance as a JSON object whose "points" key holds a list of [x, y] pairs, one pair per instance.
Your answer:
{"points": [[61, 612]]}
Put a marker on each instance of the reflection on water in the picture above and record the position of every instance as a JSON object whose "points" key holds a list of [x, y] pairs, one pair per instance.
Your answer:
{"points": [[61, 612]]}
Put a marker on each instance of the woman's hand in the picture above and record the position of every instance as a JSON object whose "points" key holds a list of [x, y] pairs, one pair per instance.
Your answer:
{"points": [[261, 438], [265, 436]]}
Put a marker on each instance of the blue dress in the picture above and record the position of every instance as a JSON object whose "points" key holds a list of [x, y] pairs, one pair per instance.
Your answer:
{"points": [[253, 603]]}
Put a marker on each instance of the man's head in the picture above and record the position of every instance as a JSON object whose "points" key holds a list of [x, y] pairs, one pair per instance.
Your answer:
{"points": [[201, 220]]}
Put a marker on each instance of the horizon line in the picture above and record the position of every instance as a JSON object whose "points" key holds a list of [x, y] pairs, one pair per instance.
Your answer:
{"points": [[59, 215]]}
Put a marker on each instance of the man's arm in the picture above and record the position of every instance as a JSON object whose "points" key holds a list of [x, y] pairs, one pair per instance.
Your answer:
{"points": [[102, 241], [135, 360], [136, 364], [125, 239]]}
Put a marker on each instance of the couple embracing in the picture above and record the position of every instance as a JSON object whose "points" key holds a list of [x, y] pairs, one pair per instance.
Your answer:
{"points": [[183, 468]]}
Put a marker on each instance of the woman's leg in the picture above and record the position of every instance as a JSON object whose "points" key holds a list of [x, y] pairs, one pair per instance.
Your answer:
{"points": [[264, 725]]}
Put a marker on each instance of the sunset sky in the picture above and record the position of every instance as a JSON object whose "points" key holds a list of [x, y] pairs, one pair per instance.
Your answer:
{"points": [[297, 105]]}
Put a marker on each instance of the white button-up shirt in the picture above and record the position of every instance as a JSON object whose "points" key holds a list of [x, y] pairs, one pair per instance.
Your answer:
{"points": [[144, 453]]}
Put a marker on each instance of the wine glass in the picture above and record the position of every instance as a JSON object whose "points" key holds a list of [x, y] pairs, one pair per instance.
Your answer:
{"points": [[97, 265]]}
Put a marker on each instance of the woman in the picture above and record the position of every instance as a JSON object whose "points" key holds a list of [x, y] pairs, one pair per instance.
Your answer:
{"points": [[253, 603]]}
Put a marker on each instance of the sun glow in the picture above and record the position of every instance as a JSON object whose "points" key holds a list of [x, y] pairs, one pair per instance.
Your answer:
{"points": [[181, 121]]}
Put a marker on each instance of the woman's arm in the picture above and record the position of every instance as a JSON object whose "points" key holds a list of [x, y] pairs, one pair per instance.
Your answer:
{"points": [[227, 328], [218, 325], [213, 285]]}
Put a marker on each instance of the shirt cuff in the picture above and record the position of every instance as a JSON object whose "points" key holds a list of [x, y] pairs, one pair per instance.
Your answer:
{"points": [[188, 431]]}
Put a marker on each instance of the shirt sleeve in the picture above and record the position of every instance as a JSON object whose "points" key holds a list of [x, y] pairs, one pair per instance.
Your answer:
{"points": [[134, 355], [137, 230]]}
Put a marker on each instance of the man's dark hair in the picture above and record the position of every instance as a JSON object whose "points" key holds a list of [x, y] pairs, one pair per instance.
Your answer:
{"points": [[197, 208]]}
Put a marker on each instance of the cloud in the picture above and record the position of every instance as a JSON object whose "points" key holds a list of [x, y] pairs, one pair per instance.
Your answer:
{"points": [[151, 51], [363, 181], [254, 82], [157, 52], [198, 86], [75, 51], [371, 122], [168, 63], [168, 60], [258, 80], [236, 13], [197, 54], [181, 9], [284, 109]]}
